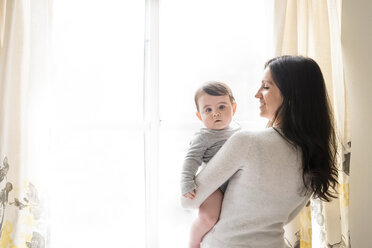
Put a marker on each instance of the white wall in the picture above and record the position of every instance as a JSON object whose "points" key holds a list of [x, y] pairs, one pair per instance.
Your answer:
{"points": [[357, 52]]}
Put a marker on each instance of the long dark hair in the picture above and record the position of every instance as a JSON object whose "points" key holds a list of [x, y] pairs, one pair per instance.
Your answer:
{"points": [[306, 121]]}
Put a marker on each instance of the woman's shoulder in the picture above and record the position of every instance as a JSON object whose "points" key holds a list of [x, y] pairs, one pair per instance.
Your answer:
{"points": [[268, 137], [244, 134]]}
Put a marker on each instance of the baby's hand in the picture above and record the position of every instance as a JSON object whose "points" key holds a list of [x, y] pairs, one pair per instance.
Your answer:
{"points": [[190, 195]]}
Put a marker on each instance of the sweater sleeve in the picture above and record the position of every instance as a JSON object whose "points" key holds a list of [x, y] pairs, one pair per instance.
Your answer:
{"points": [[193, 159], [227, 161]]}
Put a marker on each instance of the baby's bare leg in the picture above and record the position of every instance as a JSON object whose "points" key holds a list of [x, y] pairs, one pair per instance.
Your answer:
{"points": [[209, 212]]}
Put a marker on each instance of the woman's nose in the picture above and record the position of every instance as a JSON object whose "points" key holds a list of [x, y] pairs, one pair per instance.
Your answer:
{"points": [[258, 94]]}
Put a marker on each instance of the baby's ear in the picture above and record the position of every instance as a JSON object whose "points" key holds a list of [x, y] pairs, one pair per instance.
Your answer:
{"points": [[234, 107], [198, 115]]}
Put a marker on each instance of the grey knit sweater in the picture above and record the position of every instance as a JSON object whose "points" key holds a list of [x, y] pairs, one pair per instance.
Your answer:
{"points": [[265, 190]]}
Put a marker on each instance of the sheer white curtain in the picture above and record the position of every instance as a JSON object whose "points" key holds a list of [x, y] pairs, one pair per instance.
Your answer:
{"points": [[24, 135], [312, 28]]}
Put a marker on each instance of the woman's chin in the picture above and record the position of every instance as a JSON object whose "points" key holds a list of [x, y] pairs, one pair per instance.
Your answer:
{"points": [[262, 114]]}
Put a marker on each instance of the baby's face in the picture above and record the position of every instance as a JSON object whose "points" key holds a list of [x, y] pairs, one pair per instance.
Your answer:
{"points": [[215, 112]]}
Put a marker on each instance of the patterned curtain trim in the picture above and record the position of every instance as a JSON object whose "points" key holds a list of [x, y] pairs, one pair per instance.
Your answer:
{"points": [[25, 212]]}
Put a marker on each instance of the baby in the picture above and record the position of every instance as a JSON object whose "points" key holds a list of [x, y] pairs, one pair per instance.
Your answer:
{"points": [[215, 106]]}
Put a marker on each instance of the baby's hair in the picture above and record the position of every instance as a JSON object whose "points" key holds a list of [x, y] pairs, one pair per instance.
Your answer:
{"points": [[213, 88]]}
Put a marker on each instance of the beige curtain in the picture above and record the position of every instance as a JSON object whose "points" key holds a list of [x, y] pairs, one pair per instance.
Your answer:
{"points": [[23, 129], [312, 28]]}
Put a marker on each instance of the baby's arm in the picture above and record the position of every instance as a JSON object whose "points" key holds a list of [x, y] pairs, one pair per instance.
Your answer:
{"points": [[227, 161], [193, 159]]}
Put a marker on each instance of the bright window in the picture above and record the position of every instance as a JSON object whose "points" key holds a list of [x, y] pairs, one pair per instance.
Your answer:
{"points": [[98, 194], [99, 131]]}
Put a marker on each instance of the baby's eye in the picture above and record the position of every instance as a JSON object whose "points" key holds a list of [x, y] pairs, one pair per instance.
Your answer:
{"points": [[208, 110], [221, 107]]}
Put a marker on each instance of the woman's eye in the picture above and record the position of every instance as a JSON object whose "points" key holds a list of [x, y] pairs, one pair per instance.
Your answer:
{"points": [[265, 87]]}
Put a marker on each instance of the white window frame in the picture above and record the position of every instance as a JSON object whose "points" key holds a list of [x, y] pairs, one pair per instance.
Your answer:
{"points": [[152, 121]]}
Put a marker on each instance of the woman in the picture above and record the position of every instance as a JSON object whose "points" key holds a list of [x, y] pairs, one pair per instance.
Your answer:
{"points": [[273, 172]]}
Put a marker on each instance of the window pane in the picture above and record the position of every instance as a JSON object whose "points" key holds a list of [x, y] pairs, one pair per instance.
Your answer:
{"points": [[202, 41], [97, 189], [97, 193], [98, 60], [211, 40]]}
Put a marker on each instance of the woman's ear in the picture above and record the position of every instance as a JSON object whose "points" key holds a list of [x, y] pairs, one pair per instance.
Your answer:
{"points": [[198, 115], [234, 107]]}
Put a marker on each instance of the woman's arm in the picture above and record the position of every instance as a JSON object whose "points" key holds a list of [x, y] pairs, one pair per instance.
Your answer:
{"points": [[227, 161]]}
